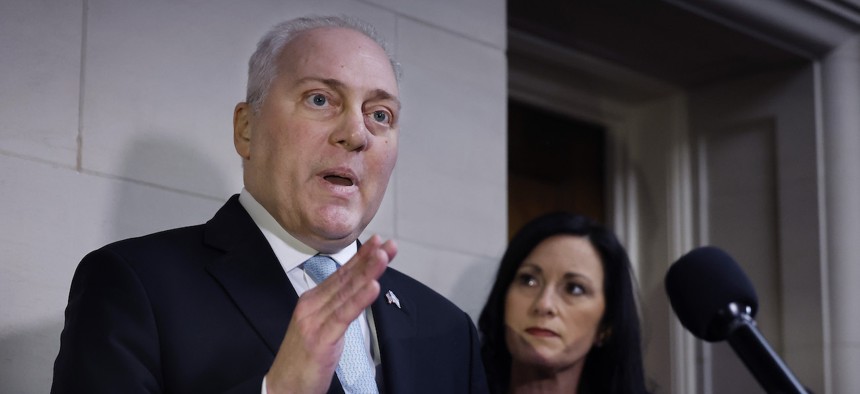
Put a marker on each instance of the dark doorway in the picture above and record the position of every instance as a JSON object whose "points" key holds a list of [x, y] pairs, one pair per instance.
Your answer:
{"points": [[555, 162]]}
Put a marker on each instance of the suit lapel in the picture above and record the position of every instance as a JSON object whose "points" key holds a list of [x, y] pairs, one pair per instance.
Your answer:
{"points": [[394, 327], [400, 319], [250, 273], [260, 289]]}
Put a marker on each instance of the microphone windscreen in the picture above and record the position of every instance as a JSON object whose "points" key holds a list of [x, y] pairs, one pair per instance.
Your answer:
{"points": [[701, 284]]}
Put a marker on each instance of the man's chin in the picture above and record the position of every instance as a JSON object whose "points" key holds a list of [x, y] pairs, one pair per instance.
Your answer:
{"points": [[339, 227]]}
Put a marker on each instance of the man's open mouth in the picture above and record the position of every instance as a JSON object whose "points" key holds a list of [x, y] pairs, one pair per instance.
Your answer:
{"points": [[339, 180]]}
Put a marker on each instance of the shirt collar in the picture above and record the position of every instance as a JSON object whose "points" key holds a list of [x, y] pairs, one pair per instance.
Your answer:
{"points": [[290, 251]]}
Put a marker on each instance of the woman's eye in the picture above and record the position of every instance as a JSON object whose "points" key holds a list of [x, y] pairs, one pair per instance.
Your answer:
{"points": [[527, 280], [318, 100], [575, 289]]}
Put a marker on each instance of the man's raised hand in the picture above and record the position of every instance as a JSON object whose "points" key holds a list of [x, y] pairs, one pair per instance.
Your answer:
{"points": [[313, 343]]}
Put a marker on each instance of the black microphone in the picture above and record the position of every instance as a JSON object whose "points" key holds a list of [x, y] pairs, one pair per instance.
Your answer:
{"points": [[715, 301]]}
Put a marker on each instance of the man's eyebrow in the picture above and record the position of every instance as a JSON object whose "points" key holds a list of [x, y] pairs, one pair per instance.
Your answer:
{"points": [[334, 83], [381, 94]]}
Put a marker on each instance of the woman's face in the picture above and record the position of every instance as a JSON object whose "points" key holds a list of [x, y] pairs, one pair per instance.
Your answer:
{"points": [[554, 305]]}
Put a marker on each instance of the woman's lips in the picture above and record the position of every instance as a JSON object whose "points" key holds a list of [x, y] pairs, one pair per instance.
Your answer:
{"points": [[540, 332]]}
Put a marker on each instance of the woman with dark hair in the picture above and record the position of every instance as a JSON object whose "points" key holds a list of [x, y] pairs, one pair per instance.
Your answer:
{"points": [[562, 316]]}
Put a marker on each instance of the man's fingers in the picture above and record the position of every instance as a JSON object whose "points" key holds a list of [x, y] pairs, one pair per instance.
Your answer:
{"points": [[365, 267], [368, 266], [327, 316], [390, 248], [350, 306], [341, 298]]}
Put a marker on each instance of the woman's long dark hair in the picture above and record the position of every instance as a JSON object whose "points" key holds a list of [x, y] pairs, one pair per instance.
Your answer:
{"points": [[615, 367]]}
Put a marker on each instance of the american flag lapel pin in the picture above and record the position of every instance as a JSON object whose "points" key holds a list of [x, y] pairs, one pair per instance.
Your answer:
{"points": [[392, 299]]}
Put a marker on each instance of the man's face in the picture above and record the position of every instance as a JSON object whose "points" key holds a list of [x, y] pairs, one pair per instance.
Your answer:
{"points": [[319, 153]]}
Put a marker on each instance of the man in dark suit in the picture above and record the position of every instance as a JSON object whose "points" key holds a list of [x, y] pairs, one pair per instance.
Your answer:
{"points": [[233, 305]]}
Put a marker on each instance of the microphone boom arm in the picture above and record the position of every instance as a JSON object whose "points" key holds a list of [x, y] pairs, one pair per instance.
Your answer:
{"points": [[755, 352]]}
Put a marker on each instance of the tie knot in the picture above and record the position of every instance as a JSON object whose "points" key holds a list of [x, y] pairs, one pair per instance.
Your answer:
{"points": [[320, 267]]}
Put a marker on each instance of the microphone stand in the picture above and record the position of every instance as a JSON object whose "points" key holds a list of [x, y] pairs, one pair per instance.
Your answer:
{"points": [[752, 348]]}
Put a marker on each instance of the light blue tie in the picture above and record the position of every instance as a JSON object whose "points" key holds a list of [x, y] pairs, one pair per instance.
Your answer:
{"points": [[355, 368]]}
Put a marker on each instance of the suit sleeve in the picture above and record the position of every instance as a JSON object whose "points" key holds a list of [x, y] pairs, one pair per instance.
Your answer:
{"points": [[109, 342], [478, 376]]}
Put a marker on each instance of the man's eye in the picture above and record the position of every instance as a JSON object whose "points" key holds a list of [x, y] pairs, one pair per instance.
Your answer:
{"points": [[380, 116], [318, 100]]}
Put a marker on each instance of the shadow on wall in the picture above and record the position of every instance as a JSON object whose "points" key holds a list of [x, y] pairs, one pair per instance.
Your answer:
{"points": [[653, 304], [194, 193], [28, 353], [472, 288]]}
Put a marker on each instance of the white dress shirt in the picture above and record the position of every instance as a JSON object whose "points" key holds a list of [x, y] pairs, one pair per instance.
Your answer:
{"points": [[291, 253]]}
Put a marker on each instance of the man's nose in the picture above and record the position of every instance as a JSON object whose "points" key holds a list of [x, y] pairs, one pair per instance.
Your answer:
{"points": [[351, 132]]}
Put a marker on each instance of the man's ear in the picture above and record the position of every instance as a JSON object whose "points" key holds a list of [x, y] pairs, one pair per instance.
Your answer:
{"points": [[242, 129]]}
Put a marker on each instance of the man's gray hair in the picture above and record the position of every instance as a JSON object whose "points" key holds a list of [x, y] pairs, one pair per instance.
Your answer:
{"points": [[263, 65]]}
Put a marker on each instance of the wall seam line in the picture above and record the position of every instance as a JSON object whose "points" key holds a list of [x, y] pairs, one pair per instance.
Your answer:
{"points": [[80, 137]]}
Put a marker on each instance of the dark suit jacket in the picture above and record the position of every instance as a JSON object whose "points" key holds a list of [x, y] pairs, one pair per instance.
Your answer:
{"points": [[203, 309]]}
